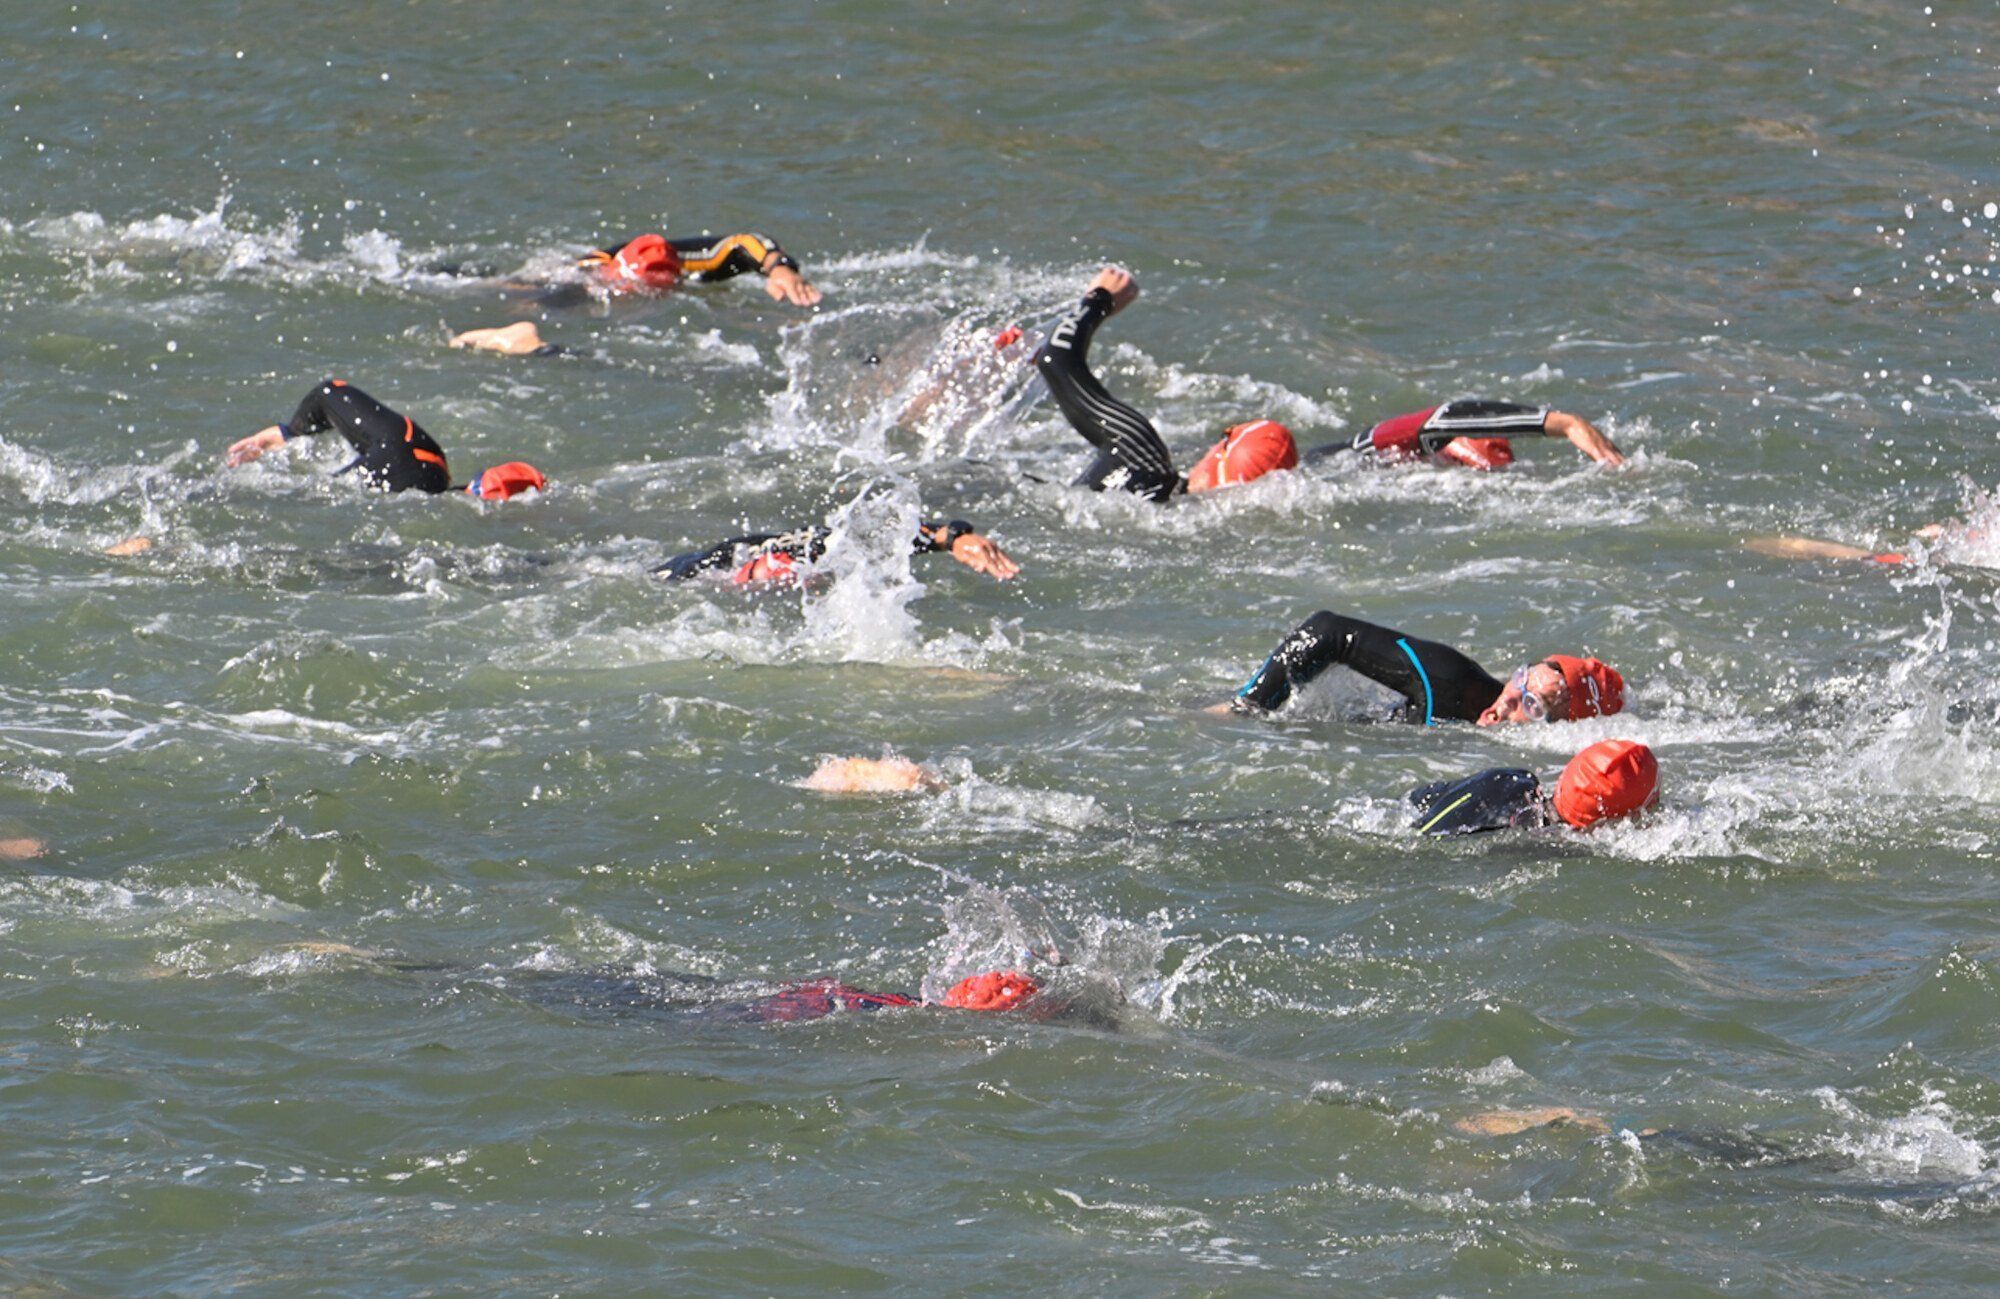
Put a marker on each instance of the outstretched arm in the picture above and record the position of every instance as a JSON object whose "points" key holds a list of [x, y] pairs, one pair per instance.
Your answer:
{"points": [[707, 258], [244, 450], [1584, 435]]}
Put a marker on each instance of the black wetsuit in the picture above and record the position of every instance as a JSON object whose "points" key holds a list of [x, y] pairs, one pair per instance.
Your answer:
{"points": [[806, 544], [1131, 457], [674, 996], [1500, 798], [705, 259], [392, 449], [1440, 683]]}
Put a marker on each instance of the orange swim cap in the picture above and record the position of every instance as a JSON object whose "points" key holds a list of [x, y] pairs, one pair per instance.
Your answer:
{"points": [[1609, 779], [1247, 451], [648, 260], [1595, 688], [1479, 453], [510, 479], [778, 566], [994, 990]]}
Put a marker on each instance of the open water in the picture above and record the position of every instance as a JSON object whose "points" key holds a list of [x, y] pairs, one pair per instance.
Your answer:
{"points": [[337, 787]]}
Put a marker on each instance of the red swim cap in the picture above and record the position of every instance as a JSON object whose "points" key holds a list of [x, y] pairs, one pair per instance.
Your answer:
{"points": [[648, 260], [1479, 453], [1595, 688], [1007, 337], [1889, 557], [510, 479], [1247, 451], [994, 990], [778, 566], [1609, 779]]}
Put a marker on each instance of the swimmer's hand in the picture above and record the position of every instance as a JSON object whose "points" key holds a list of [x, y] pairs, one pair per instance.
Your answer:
{"points": [[872, 776], [130, 546], [786, 285], [1584, 435], [248, 449], [21, 849], [518, 339], [1930, 531], [981, 556], [1118, 282]]}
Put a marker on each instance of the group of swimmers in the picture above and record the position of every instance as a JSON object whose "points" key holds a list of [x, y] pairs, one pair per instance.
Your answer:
{"points": [[1610, 779]]}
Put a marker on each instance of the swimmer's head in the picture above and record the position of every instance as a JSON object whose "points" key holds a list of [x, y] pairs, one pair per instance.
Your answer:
{"points": [[510, 479], [648, 260], [1245, 452], [777, 567], [994, 990], [1611, 778], [1478, 453], [1561, 688]]}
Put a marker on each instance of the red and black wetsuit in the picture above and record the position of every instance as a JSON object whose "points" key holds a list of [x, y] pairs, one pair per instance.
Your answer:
{"points": [[1423, 433], [1439, 682], [1131, 457], [394, 451], [800, 544]]}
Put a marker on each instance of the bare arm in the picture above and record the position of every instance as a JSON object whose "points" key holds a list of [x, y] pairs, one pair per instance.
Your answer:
{"points": [[244, 450], [1584, 435]]}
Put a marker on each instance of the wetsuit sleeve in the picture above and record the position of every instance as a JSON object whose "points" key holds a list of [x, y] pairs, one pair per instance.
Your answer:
{"points": [[311, 417], [806, 543], [1439, 682], [707, 258], [1126, 438], [1497, 799], [927, 542]]}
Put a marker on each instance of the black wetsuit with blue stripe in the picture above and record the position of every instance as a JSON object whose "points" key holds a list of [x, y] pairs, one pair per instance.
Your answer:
{"points": [[1440, 683]]}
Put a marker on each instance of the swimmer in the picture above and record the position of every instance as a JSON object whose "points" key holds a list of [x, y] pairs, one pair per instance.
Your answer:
{"points": [[1475, 432], [391, 448], [22, 848], [1439, 683], [889, 775], [774, 557], [1807, 548], [1130, 455], [648, 265], [1608, 780]]}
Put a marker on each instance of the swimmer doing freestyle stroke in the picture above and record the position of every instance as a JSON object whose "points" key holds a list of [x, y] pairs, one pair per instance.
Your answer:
{"points": [[1133, 458], [1437, 682], [775, 557], [392, 450], [648, 265]]}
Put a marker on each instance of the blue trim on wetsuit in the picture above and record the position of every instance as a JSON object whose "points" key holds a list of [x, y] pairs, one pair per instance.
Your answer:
{"points": [[1429, 695], [1254, 677]]}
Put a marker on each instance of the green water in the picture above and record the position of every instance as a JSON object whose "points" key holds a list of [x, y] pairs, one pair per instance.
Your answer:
{"points": [[478, 747]]}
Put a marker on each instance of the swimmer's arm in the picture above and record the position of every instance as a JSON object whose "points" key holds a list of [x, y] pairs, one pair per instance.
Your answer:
{"points": [[244, 450], [1583, 435], [970, 549], [704, 258]]}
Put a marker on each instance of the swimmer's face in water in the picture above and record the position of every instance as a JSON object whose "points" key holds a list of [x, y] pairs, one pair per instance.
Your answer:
{"points": [[1535, 694]]}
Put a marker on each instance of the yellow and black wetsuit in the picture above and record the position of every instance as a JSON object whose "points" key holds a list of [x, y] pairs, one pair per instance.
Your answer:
{"points": [[706, 258]]}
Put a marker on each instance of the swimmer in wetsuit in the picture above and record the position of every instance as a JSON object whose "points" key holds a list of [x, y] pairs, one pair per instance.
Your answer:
{"points": [[694, 997], [1610, 779], [1475, 432], [391, 449], [1130, 455], [775, 556], [651, 264], [1439, 683]]}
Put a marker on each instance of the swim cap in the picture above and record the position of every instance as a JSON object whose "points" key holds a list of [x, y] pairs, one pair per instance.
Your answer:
{"points": [[1889, 557], [1595, 689], [778, 566], [649, 260], [1247, 451], [510, 479], [1479, 453], [1609, 779], [1007, 337], [994, 990]]}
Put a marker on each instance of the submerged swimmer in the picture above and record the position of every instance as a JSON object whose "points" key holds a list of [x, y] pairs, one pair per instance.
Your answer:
{"points": [[391, 449], [1608, 780], [1133, 458], [775, 556], [651, 264], [1439, 683]]}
